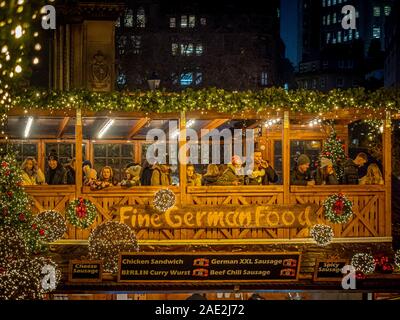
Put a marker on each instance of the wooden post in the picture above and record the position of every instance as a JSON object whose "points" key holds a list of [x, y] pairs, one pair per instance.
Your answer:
{"points": [[182, 156], [387, 167], [78, 153], [286, 157]]}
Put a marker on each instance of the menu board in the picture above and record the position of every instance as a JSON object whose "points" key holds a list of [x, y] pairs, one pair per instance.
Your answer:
{"points": [[208, 267], [85, 270], [329, 270]]}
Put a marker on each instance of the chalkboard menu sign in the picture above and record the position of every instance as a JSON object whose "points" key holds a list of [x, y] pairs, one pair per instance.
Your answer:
{"points": [[329, 270], [208, 267], [85, 270]]}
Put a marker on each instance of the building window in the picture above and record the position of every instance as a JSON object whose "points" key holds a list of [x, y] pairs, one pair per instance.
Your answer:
{"points": [[324, 20], [339, 82], [324, 3], [357, 36], [203, 21], [122, 44], [322, 83], [264, 78], [377, 11], [339, 36], [350, 35], [376, 32], [183, 21], [334, 18], [64, 150], [115, 155], [311, 148], [328, 19], [174, 49], [186, 79], [140, 18], [388, 9], [328, 37], [192, 21], [136, 44], [329, 3], [334, 40], [128, 19], [21, 150], [333, 2], [172, 22], [314, 83], [187, 49], [199, 49]]}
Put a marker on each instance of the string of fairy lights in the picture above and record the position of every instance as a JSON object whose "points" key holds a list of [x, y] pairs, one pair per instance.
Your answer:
{"points": [[18, 40]]}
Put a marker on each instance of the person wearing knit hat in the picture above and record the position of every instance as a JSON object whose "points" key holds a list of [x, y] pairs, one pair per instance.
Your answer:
{"points": [[326, 173], [301, 176], [55, 172], [234, 174]]}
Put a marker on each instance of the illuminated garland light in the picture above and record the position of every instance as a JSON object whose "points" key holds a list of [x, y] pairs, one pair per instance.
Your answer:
{"points": [[322, 234], [363, 262], [12, 245], [52, 223], [164, 199], [397, 259], [108, 240], [24, 279]]}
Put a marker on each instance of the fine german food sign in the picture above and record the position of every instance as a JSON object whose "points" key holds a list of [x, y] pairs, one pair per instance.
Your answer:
{"points": [[225, 216], [208, 267]]}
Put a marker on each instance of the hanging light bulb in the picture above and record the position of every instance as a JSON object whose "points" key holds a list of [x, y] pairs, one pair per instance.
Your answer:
{"points": [[35, 60], [18, 32], [18, 69]]}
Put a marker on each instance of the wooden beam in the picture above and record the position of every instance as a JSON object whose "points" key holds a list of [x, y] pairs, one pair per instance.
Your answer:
{"points": [[78, 153], [137, 127], [63, 126], [387, 166], [212, 125], [286, 157]]}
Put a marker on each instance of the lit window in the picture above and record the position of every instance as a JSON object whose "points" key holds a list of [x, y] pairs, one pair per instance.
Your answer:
{"points": [[328, 19], [140, 18], [329, 3], [357, 14], [339, 1], [377, 11], [324, 20], [324, 3], [314, 83], [128, 20], [199, 49], [328, 37], [183, 21], [376, 32], [357, 35], [350, 35], [333, 2], [334, 18], [192, 21], [264, 78], [203, 21], [334, 40], [172, 22], [199, 78], [136, 43], [388, 10], [187, 49], [174, 49], [339, 36], [186, 79]]}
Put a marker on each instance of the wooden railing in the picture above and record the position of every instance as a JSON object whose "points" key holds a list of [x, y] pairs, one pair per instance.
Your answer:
{"points": [[370, 220]]}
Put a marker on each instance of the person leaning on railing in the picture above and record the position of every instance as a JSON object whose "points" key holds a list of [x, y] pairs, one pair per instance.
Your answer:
{"points": [[106, 179], [373, 176], [31, 173], [350, 168], [192, 178], [132, 176], [55, 172], [326, 174], [301, 175], [262, 173], [161, 175], [233, 175], [89, 175], [211, 176]]}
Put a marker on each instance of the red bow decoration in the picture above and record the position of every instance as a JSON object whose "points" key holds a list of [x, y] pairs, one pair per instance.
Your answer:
{"points": [[81, 209], [338, 206]]}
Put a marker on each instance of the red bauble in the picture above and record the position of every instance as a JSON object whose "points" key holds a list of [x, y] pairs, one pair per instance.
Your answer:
{"points": [[34, 226], [338, 207], [9, 193], [7, 173], [21, 217], [5, 211], [4, 164], [41, 232], [360, 275]]}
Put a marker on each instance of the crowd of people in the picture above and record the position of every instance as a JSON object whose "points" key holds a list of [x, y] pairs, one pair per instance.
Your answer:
{"points": [[155, 174]]}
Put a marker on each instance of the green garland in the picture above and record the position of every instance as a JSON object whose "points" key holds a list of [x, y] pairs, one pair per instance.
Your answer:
{"points": [[338, 209], [81, 213], [213, 99]]}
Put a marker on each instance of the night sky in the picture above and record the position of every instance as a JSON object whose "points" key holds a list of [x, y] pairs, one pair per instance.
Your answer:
{"points": [[289, 21]]}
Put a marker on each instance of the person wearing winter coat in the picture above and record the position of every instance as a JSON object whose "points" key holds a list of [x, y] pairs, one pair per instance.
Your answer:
{"points": [[55, 172], [326, 174], [233, 175], [211, 176], [161, 175], [301, 176], [350, 168]]}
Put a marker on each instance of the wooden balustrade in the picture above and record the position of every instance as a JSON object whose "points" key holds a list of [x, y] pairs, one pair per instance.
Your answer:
{"points": [[371, 220]]}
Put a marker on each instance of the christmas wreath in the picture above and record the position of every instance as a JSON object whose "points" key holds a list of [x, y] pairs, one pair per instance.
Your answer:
{"points": [[81, 213], [338, 209]]}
